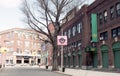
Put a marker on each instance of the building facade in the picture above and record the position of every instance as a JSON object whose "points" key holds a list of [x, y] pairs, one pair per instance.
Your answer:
{"points": [[24, 46], [46, 53], [82, 50], [108, 45], [76, 21]]}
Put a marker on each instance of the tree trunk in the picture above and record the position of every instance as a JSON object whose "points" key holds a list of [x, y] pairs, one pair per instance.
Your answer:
{"points": [[55, 59], [55, 55]]}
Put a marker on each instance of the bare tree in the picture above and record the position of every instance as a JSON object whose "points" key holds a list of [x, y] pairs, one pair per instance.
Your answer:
{"points": [[39, 13]]}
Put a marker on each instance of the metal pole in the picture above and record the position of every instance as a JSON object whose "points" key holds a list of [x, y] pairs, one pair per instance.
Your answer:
{"points": [[61, 57], [61, 52]]}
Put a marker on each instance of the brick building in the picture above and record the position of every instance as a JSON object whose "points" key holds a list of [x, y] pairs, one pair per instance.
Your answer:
{"points": [[82, 51], [77, 37], [108, 45], [46, 53], [23, 46]]}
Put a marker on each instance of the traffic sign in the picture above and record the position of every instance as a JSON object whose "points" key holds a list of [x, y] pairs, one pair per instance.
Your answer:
{"points": [[61, 40]]}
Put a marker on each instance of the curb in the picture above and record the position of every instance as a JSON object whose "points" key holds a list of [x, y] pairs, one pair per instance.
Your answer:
{"points": [[61, 73], [55, 71]]}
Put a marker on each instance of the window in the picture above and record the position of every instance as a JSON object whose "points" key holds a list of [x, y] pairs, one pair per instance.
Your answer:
{"points": [[118, 30], [79, 27], [73, 30], [69, 33], [65, 33], [100, 18], [118, 9], [19, 43], [104, 35], [79, 43], [114, 32], [112, 12], [27, 43], [105, 16]]}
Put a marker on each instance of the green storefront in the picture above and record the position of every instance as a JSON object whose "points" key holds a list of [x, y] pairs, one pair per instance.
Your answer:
{"points": [[116, 51], [74, 59], [79, 58], [104, 50], [93, 50]]}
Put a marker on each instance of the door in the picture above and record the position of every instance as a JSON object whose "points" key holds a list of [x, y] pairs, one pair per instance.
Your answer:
{"points": [[95, 60], [68, 61], [79, 60], [74, 61], [105, 59], [117, 59]]}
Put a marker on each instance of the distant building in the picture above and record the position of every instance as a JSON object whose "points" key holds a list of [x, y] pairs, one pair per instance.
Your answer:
{"points": [[46, 53], [24, 46]]}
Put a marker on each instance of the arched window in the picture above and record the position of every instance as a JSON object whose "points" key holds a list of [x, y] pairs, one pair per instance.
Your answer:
{"points": [[118, 9]]}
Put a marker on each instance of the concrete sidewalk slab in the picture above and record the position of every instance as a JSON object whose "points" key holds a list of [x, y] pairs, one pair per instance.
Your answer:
{"points": [[80, 72]]}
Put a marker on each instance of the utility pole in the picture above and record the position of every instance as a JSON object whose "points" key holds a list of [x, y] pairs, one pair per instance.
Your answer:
{"points": [[61, 52]]}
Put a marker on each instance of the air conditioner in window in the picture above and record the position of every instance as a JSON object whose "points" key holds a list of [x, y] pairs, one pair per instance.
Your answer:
{"points": [[101, 38]]}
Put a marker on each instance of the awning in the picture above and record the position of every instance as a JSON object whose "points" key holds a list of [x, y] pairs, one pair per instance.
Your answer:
{"points": [[90, 48], [104, 48], [116, 46], [74, 54]]}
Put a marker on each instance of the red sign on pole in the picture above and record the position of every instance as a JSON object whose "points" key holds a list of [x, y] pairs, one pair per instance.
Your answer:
{"points": [[61, 40]]}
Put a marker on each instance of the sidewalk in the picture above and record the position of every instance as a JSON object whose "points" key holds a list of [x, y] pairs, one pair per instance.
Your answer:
{"points": [[79, 72]]}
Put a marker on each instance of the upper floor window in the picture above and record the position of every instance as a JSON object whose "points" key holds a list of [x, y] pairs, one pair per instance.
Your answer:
{"points": [[69, 33], [115, 32], [104, 35], [105, 16], [27, 43], [118, 9], [100, 18], [65, 33], [118, 30], [79, 27], [112, 12], [73, 30]]}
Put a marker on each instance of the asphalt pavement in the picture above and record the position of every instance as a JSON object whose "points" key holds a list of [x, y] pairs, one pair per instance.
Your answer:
{"points": [[27, 71]]}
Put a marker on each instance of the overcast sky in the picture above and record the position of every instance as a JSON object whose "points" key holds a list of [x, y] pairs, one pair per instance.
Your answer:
{"points": [[10, 14]]}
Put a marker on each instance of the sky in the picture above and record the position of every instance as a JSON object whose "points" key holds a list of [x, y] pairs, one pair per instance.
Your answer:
{"points": [[10, 14]]}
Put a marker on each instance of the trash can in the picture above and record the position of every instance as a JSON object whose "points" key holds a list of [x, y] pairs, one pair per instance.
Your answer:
{"points": [[46, 67], [63, 69]]}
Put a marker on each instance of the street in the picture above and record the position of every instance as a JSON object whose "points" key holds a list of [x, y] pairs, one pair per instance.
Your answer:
{"points": [[27, 71]]}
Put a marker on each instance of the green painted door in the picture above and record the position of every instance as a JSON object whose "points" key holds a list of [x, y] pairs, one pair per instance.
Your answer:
{"points": [[64, 61], [95, 60], [105, 59], [79, 60], [117, 59], [74, 61], [68, 61]]}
